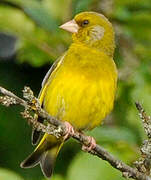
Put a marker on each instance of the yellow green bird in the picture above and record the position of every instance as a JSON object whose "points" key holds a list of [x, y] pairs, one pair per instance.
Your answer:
{"points": [[79, 88]]}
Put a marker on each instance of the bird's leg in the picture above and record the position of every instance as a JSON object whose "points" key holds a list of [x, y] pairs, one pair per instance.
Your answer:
{"points": [[69, 130], [91, 144]]}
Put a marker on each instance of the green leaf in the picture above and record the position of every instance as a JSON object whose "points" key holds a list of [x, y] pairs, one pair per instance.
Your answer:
{"points": [[109, 134], [38, 12], [122, 13], [55, 177], [6, 174], [80, 6], [86, 166], [61, 10], [133, 4], [31, 54], [40, 15]]}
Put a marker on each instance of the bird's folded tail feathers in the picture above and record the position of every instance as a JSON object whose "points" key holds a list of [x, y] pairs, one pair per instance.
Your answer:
{"points": [[45, 154]]}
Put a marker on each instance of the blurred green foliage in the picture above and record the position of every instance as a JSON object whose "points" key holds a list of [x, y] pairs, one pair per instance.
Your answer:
{"points": [[39, 42]]}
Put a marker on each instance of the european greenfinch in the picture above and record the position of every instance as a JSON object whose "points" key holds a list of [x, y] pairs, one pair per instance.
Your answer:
{"points": [[79, 88]]}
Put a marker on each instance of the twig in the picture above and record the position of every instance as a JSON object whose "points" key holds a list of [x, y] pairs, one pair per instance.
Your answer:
{"points": [[144, 163], [57, 128], [145, 119]]}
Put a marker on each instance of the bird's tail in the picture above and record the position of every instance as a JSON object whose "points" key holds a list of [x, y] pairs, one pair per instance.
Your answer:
{"points": [[45, 154]]}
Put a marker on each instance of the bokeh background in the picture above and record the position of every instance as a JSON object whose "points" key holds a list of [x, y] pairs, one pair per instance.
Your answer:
{"points": [[30, 41]]}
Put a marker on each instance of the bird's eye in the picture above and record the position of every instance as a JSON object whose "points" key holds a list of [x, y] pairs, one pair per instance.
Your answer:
{"points": [[85, 22]]}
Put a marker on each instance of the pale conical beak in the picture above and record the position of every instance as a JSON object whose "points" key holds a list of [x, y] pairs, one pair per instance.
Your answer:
{"points": [[70, 26]]}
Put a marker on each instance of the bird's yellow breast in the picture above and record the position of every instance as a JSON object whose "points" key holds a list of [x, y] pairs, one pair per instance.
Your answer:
{"points": [[81, 90]]}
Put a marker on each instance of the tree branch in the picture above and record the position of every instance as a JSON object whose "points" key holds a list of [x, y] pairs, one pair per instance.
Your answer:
{"points": [[57, 128]]}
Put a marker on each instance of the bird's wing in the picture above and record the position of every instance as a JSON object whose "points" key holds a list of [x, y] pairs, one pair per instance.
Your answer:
{"points": [[55, 65], [36, 134]]}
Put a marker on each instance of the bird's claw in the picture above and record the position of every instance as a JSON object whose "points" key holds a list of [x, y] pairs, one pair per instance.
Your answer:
{"points": [[69, 130], [91, 144]]}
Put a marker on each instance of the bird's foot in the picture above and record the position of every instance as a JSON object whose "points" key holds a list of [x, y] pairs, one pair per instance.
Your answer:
{"points": [[69, 130], [91, 144]]}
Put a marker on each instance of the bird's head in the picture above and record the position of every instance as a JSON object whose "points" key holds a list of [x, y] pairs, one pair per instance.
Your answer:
{"points": [[92, 29]]}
